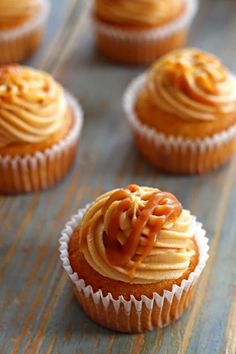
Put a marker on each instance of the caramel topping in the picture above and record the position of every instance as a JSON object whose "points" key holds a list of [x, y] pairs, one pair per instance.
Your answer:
{"points": [[207, 71], [163, 205], [137, 234], [147, 217], [132, 187], [192, 85]]}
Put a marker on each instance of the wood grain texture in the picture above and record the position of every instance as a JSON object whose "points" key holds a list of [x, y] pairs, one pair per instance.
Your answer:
{"points": [[38, 313]]}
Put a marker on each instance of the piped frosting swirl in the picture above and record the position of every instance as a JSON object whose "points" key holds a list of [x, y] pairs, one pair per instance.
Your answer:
{"points": [[138, 12], [13, 9], [137, 234], [32, 105], [192, 84]]}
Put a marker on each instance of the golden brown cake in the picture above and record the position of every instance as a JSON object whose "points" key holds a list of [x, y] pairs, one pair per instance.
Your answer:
{"points": [[183, 112], [137, 32], [39, 128], [134, 256], [21, 28]]}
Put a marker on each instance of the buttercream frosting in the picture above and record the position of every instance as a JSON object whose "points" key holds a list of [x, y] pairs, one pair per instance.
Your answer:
{"points": [[138, 12], [10, 9], [155, 255], [32, 105], [192, 84]]}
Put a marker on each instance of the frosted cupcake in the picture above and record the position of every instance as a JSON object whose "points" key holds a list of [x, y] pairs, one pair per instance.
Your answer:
{"points": [[21, 28], [134, 257], [40, 125], [138, 32], [183, 112]]}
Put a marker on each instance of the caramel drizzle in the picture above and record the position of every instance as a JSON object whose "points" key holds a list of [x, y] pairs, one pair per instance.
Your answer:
{"points": [[207, 71], [189, 77], [13, 78], [163, 205]]}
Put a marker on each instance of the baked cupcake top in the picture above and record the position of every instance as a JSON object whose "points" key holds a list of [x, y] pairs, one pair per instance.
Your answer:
{"points": [[140, 13], [192, 85], [17, 10], [137, 235], [32, 105]]}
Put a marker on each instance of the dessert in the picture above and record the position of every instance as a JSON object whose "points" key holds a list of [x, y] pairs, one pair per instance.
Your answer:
{"points": [[183, 112], [39, 128], [134, 256], [138, 32], [21, 28]]}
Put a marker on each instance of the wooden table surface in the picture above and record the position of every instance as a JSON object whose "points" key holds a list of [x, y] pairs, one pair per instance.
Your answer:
{"points": [[38, 313]]}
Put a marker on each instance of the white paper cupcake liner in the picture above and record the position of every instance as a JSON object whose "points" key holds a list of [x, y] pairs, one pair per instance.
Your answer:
{"points": [[162, 32], [143, 310], [42, 169], [198, 149], [19, 42]]}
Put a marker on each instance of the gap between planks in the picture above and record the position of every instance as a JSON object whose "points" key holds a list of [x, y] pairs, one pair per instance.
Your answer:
{"points": [[74, 24]]}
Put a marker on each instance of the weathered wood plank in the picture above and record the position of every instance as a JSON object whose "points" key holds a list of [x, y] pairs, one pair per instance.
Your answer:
{"points": [[38, 311], [231, 326]]}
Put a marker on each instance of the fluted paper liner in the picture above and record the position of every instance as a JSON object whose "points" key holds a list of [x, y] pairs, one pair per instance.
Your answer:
{"points": [[139, 47], [42, 169], [175, 153], [18, 43], [133, 315]]}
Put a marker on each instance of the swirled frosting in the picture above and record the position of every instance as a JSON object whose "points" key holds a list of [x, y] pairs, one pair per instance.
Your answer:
{"points": [[15, 8], [192, 84], [138, 12], [137, 234], [32, 105]]}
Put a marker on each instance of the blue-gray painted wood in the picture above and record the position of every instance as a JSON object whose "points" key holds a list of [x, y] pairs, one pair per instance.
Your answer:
{"points": [[38, 313]]}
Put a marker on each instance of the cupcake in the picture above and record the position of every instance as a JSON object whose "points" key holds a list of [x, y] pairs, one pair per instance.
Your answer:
{"points": [[138, 32], [40, 125], [21, 28], [183, 112], [134, 256]]}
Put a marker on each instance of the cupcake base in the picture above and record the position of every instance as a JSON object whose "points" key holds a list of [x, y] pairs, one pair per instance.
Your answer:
{"points": [[173, 153], [21, 42], [186, 161], [133, 316], [135, 321], [140, 52], [42, 169], [133, 47]]}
